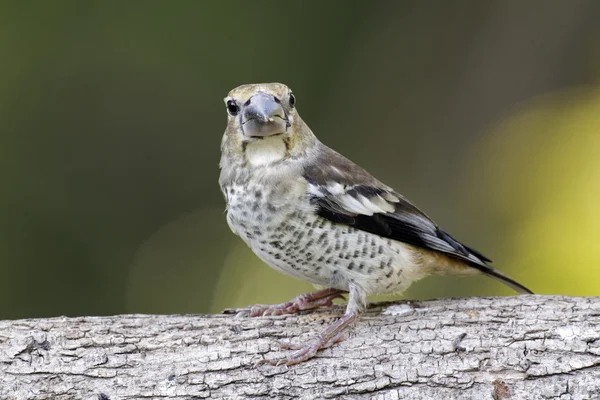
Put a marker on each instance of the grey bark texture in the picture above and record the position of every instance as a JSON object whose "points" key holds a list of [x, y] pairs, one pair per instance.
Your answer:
{"points": [[526, 347]]}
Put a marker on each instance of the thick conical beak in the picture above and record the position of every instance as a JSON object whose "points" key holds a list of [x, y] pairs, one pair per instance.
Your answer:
{"points": [[263, 116]]}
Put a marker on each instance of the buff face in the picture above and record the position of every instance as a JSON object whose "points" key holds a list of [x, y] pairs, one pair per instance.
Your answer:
{"points": [[259, 111]]}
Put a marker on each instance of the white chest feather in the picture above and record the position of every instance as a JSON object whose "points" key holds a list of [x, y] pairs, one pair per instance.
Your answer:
{"points": [[266, 151]]}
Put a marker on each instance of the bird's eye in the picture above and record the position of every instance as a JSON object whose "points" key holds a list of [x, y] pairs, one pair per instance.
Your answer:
{"points": [[292, 100], [232, 107]]}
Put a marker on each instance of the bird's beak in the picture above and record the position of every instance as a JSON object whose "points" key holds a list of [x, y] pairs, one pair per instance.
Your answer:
{"points": [[263, 116]]}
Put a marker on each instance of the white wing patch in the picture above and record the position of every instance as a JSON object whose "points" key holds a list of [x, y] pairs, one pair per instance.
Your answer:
{"points": [[392, 198], [336, 188], [353, 201], [352, 204], [377, 204]]}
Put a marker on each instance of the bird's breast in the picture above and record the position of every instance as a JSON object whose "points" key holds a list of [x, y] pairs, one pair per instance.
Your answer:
{"points": [[255, 206], [269, 218]]}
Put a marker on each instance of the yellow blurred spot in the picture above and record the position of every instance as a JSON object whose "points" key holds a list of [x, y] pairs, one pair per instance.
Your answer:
{"points": [[545, 163]]}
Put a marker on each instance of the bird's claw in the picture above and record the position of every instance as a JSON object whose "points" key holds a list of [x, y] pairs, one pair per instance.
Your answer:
{"points": [[289, 346], [321, 298], [260, 310], [326, 339], [302, 353]]}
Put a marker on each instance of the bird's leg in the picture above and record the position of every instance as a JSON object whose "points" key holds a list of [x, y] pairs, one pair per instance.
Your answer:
{"points": [[333, 334], [325, 339], [320, 298]]}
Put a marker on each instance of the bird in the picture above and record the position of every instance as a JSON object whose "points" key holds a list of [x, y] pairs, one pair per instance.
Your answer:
{"points": [[311, 213]]}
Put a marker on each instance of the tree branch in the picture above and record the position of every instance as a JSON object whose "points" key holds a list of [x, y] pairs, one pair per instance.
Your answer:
{"points": [[533, 347]]}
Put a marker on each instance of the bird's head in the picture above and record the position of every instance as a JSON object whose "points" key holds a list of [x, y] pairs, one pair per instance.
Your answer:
{"points": [[263, 126]]}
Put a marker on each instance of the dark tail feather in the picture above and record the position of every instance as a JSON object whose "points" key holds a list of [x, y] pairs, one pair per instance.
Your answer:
{"points": [[492, 273], [478, 254], [477, 260]]}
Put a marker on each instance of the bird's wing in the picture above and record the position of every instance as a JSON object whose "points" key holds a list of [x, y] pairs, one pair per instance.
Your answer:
{"points": [[344, 193]]}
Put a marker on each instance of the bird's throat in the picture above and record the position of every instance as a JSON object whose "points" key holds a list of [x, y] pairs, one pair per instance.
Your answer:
{"points": [[267, 151]]}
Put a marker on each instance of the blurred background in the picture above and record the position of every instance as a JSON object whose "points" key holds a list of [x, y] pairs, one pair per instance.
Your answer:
{"points": [[486, 114]]}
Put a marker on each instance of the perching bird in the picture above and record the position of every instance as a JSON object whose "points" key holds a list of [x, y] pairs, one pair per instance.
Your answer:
{"points": [[311, 213]]}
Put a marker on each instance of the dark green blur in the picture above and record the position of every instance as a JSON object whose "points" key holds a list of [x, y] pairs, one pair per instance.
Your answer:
{"points": [[111, 116]]}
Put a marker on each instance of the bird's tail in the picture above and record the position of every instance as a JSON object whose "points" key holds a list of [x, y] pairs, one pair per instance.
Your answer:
{"points": [[500, 277], [478, 261]]}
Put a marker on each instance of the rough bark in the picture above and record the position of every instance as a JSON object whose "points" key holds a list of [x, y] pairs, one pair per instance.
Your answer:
{"points": [[527, 347]]}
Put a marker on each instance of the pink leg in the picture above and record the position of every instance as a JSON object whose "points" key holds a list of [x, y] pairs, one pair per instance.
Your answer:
{"points": [[321, 298], [325, 339]]}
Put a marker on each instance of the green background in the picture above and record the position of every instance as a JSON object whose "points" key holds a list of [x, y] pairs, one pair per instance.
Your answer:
{"points": [[486, 114]]}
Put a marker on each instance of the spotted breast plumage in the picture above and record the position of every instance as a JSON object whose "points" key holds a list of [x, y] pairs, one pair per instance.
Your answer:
{"points": [[309, 212]]}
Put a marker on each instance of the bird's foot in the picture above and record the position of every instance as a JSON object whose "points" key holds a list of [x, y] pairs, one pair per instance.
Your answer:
{"points": [[325, 339], [320, 298]]}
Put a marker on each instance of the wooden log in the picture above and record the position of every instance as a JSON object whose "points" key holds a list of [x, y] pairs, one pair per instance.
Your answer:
{"points": [[525, 347]]}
